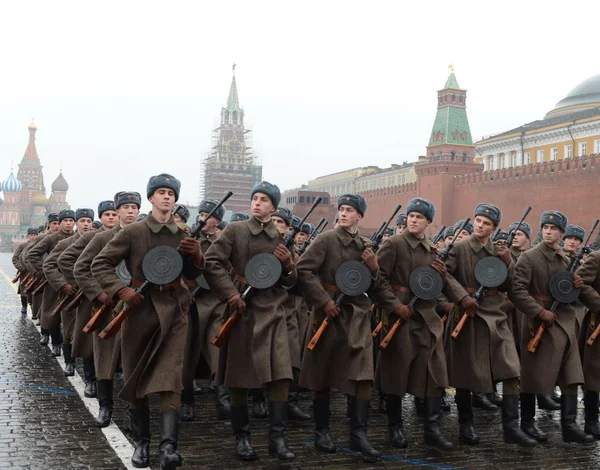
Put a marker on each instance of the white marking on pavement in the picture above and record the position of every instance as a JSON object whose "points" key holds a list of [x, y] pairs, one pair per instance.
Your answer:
{"points": [[116, 439]]}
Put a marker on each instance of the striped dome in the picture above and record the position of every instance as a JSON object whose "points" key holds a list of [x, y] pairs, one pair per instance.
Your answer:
{"points": [[11, 184]]}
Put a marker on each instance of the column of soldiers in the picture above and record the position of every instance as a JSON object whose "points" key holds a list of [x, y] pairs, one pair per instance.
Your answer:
{"points": [[164, 344]]}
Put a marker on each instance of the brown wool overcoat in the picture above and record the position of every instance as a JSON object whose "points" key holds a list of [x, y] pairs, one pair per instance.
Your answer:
{"points": [[557, 357], [344, 354], [106, 352], [258, 350], [485, 350], [36, 300], [416, 352], [153, 335], [17, 263]]}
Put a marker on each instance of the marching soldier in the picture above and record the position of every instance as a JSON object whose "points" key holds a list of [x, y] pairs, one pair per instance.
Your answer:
{"points": [[257, 353], [572, 240], [557, 358], [388, 232], [153, 335], [401, 222], [66, 220], [114, 215], [466, 231], [181, 214], [343, 358], [485, 351], [414, 361], [32, 234], [449, 235]]}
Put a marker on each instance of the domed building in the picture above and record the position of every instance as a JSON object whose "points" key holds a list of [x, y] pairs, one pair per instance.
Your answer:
{"points": [[570, 129], [9, 210]]}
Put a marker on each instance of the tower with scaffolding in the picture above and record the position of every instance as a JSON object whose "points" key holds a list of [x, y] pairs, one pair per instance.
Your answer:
{"points": [[231, 164]]}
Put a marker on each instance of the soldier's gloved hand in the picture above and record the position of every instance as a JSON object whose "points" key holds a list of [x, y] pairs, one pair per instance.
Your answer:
{"points": [[331, 309], [403, 311], [370, 259], [503, 253], [546, 316], [105, 300], [68, 289], [578, 282], [285, 257], [236, 304], [440, 267], [191, 246], [130, 296], [469, 305]]}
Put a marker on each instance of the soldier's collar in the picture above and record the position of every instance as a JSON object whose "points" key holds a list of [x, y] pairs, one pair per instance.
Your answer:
{"points": [[157, 226], [414, 242], [477, 246], [550, 253], [256, 226], [346, 237]]}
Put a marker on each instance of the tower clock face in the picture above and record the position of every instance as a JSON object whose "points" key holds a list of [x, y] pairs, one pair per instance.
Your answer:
{"points": [[234, 146]]}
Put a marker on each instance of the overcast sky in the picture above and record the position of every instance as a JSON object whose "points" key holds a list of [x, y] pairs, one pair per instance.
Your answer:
{"points": [[122, 90]]}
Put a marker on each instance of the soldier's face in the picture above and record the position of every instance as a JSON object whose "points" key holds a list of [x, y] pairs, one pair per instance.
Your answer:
{"points": [[163, 199], [66, 225], [483, 227], [462, 235], [84, 224], [300, 238], [109, 219], [211, 224], [128, 213], [417, 223], [31, 236], [385, 236], [54, 226], [399, 229], [572, 243], [440, 244], [349, 216], [279, 222], [262, 207], [178, 219], [551, 234], [520, 242]]}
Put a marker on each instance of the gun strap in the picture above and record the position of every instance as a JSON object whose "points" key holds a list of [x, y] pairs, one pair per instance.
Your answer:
{"points": [[330, 287], [399, 288], [542, 298]]}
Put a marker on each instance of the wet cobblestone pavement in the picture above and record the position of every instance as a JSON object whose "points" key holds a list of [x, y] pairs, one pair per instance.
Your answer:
{"points": [[44, 424]]}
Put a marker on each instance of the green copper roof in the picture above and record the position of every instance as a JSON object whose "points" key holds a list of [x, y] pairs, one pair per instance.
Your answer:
{"points": [[452, 82], [451, 126], [233, 101]]}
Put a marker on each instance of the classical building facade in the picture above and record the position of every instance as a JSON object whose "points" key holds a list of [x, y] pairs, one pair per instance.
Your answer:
{"points": [[571, 129]]}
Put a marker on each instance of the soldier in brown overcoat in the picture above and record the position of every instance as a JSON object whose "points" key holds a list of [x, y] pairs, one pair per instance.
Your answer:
{"points": [[37, 257], [414, 360], [153, 335], [257, 353], [114, 215], [32, 234], [590, 297], [557, 357], [343, 358], [204, 321], [572, 240], [484, 352]]}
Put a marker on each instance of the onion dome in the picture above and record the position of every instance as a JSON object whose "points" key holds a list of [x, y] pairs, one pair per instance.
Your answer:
{"points": [[11, 184], [60, 183], [39, 200], [584, 96], [32, 126]]}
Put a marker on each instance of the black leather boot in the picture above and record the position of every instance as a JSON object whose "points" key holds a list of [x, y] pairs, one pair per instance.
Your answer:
{"points": [[197, 387], [591, 414], [186, 412], [223, 405], [23, 305], [568, 414], [494, 398], [89, 377], [545, 402], [467, 433], [69, 361], [126, 423], [241, 430], [394, 413], [445, 401], [359, 418], [420, 407], [349, 401], [555, 395], [323, 441], [480, 400], [382, 403], [433, 433], [169, 435], [510, 423], [259, 405], [105, 401], [278, 418], [140, 429], [528, 418]]}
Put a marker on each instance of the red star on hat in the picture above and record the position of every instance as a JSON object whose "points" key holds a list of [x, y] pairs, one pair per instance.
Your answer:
{"points": [[552, 217], [129, 197], [167, 179], [487, 210], [347, 199], [418, 203]]}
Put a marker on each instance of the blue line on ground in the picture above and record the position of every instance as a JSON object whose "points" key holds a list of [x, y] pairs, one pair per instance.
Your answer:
{"points": [[395, 458], [39, 387]]}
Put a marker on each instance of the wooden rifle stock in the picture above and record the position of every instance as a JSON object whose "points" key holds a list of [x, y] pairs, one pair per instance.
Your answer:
{"points": [[533, 342], [460, 325], [315, 339], [17, 277], [377, 329], [223, 334], [93, 324], [593, 336], [25, 280], [39, 288], [61, 305], [76, 300], [390, 335], [115, 325]]}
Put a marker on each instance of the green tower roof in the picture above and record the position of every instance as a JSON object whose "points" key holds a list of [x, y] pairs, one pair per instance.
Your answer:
{"points": [[452, 82], [233, 101]]}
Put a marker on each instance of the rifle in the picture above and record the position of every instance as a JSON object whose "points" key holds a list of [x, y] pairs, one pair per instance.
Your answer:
{"points": [[25, 280], [477, 295], [17, 276], [583, 249], [223, 334], [443, 256], [62, 304], [93, 325], [320, 226], [40, 288], [438, 235], [376, 239], [76, 300], [32, 280]]}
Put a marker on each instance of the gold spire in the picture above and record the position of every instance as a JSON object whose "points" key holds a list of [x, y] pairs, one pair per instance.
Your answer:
{"points": [[451, 68]]}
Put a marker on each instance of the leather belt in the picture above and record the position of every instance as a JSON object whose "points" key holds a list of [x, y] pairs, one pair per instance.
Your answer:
{"points": [[400, 288], [189, 283], [542, 298], [330, 287], [486, 293], [171, 286]]}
